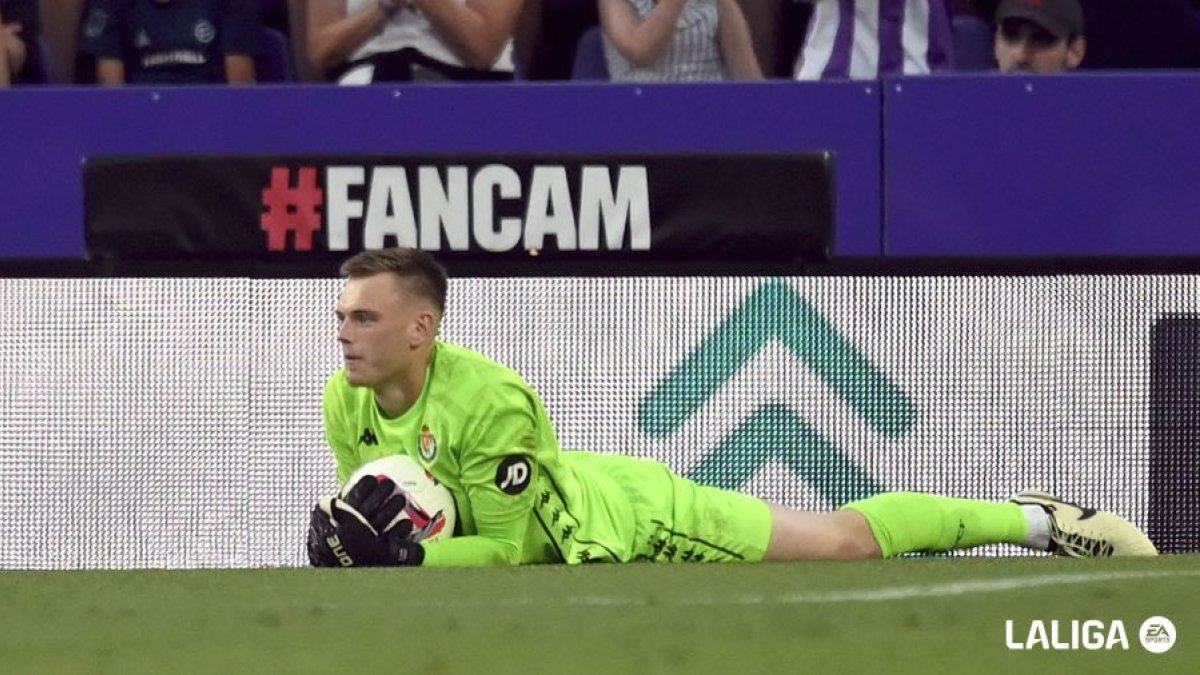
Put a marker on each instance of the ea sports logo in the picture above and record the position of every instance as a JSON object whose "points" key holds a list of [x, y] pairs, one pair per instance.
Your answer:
{"points": [[1157, 634]]}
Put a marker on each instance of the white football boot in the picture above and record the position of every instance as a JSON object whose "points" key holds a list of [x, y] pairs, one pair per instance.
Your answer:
{"points": [[1080, 532]]}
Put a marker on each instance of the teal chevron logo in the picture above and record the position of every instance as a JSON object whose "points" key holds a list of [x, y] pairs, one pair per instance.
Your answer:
{"points": [[775, 312]]}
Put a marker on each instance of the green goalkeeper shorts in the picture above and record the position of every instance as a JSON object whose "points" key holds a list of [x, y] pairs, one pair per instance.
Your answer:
{"points": [[679, 520]]}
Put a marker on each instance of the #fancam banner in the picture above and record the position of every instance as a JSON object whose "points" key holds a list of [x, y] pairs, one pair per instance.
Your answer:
{"points": [[618, 208]]}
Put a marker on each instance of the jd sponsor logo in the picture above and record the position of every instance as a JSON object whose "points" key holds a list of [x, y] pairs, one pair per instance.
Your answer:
{"points": [[1156, 634]]}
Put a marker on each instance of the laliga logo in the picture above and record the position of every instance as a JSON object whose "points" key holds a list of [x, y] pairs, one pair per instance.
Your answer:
{"points": [[1090, 634], [1157, 635]]}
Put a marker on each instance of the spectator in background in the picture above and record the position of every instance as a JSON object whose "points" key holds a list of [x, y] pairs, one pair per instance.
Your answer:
{"points": [[1129, 34], [677, 41], [172, 41], [868, 39], [364, 41], [20, 55], [1039, 36]]}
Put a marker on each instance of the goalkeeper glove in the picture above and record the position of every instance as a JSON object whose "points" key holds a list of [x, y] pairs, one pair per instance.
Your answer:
{"points": [[320, 528], [367, 528]]}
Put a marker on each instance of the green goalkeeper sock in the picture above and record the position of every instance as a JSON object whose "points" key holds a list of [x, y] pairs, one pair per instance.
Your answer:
{"points": [[907, 522]]}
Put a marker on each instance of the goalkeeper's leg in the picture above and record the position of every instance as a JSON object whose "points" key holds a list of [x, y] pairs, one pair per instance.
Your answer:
{"points": [[894, 523], [811, 535]]}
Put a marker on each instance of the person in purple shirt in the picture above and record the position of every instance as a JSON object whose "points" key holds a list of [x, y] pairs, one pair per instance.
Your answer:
{"points": [[868, 39]]}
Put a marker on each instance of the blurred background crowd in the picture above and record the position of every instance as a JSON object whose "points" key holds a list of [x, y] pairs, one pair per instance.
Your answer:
{"points": [[161, 42]]}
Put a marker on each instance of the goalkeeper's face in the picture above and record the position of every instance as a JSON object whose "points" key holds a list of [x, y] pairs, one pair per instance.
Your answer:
{"points": [[385, 331]]}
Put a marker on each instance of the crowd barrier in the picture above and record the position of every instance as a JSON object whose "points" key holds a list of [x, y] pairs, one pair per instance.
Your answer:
{"points": [[1091, 165]]}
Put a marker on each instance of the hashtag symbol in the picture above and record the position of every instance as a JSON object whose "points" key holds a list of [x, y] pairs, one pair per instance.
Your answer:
{"points": [[292, 209]]}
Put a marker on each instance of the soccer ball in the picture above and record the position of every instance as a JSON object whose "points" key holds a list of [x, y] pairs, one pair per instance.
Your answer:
{"points": [[430, 505]]}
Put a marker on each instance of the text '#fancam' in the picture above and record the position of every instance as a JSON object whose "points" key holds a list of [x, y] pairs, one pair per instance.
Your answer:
{"points": [[490, 207], [635, 209]]}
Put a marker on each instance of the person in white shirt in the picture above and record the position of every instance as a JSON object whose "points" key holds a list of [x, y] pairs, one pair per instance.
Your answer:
{"points": [[677, 41], [364, 41]]}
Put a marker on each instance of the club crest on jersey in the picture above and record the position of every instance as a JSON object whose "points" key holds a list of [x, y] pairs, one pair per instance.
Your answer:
{"points": [[427, 444]]}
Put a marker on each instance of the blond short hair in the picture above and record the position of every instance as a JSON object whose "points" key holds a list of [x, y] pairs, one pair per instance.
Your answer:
{"points": [[424, 274]]}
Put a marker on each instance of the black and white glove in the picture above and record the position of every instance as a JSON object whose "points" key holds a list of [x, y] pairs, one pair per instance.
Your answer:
{"points": [[366, 528], [320, 528]]}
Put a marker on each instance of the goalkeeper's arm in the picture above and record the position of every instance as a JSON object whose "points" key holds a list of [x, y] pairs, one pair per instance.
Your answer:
{"points": [[367, 528], [499, 489]]}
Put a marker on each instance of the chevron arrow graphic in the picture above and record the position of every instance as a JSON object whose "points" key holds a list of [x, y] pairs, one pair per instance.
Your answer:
{"points": [[775, 312]]}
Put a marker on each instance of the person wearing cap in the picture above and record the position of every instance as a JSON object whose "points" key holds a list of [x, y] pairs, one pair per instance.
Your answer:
{"points": [[1039, 36]]}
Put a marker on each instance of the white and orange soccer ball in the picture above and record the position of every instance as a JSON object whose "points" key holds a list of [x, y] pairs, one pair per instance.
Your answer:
{"points": [[430, 505]]}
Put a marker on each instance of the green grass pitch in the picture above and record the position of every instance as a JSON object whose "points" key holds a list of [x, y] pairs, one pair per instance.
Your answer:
{"points": [[920, 615]]}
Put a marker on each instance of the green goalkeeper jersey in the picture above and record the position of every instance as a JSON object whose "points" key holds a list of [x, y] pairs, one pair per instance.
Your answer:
{"points": [[482, 431]]}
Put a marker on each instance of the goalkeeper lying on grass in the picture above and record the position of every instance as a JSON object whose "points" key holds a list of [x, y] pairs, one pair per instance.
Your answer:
{"points": [[483, 432]]}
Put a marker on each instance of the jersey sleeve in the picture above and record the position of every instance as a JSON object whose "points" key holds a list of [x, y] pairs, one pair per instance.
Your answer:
{"points": [[498, 467], [336, 427]]}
